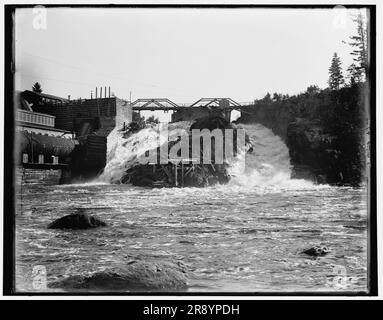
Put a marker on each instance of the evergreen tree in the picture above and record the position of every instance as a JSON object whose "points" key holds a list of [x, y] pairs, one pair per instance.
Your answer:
{"points": [[336, 79], [313, 89], [267, 97], [354, 74], [277, 97], [37, 88], [359, 69]]}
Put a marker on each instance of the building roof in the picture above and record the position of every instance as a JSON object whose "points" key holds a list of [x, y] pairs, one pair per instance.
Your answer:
{"points": [[46, 96]]}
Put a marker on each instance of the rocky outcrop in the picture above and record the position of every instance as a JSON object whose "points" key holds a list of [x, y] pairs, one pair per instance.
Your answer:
{"points": [[79, 220], [312, 152], [163, 176], [136, 276], [327, 131], [324, 158]]}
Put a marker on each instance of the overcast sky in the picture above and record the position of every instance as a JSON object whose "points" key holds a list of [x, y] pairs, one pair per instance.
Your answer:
{"points": [[181, 54]]}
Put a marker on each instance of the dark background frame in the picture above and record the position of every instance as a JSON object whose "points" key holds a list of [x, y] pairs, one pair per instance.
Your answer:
{"points": [[9, 126]]}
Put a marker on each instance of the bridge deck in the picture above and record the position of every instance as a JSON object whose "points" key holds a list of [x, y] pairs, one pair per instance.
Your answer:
{"points": [[164, 104], [147, 108]]}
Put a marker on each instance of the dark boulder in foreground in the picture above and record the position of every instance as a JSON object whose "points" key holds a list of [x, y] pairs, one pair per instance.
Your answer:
{"points": [[316, 251], [137, 276], [76, 221]]}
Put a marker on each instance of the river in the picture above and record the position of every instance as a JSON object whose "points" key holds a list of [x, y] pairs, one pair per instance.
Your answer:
{"points": [[246, 236]]}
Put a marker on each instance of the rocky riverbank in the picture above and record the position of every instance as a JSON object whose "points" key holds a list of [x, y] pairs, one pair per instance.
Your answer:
{"points": [[327, 132], [311, 152], [325, 157]]}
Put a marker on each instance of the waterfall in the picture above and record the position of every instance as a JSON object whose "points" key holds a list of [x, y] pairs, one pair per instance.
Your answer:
{"points": [[124, 153], [268, 164]]}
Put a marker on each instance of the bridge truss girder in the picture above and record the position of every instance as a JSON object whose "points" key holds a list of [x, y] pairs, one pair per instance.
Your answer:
{"points": [[160, 103], [217, 102], [166, 104]]}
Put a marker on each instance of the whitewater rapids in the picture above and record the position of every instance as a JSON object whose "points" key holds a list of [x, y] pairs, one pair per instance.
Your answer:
{"points": [[244, 236], [268, 165]]}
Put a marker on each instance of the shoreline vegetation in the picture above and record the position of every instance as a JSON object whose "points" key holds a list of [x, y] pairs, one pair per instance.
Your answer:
{"points": [[326, 131]]}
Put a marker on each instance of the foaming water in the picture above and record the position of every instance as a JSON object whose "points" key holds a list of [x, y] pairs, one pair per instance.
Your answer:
{"points": [[94, 182], [230, 238], [245, 236], [123, 153], [267, 165]]}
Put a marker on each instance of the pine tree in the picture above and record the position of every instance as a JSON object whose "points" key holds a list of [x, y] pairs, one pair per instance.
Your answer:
{"points": [[37, 88], [336, 79], [354, 74], [359, 43], [267, 97], [313, 89]]}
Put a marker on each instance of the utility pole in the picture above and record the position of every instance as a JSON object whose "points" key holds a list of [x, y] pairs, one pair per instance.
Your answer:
{"points": [[32, 147], [98, 106]]}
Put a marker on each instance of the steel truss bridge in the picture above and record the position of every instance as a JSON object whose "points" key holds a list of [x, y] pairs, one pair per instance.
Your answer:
{"points": [[165, 104]]}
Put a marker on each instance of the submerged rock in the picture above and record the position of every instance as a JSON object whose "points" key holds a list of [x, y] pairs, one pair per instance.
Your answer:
{"points": [[316, 251], [76, 221], [135, 276]]}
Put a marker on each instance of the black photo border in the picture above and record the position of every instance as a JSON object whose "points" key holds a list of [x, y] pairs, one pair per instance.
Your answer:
{"points": [[9, 126]]}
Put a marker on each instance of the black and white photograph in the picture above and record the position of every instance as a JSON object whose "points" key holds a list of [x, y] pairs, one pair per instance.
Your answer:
{"points": [[191, 150]]}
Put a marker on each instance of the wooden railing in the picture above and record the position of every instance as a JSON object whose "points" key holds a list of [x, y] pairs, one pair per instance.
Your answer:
{"points": [[35, 118]]}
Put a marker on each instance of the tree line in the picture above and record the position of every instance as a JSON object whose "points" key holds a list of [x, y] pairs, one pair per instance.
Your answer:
{"points": [[357, 72], [340, 110]]}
